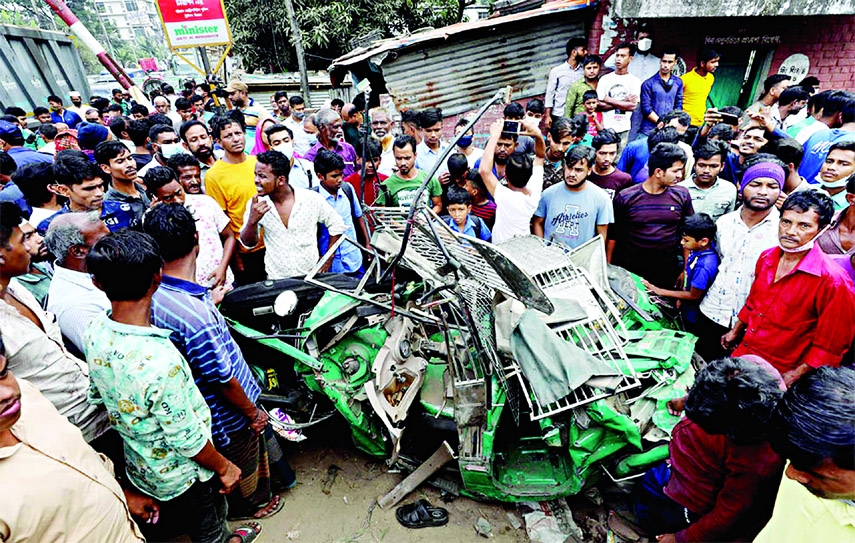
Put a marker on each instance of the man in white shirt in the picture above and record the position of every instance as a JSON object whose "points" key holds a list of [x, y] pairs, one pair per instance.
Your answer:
{"points": [[561, 77], [644, 63], [164, 106], [517, 202], [294, 122], [619, 92], [381, 129], [34, 348], [282, 139], [289, 218], [742, 235], [72, 297]]}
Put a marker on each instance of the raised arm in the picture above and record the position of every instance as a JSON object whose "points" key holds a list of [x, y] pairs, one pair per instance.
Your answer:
{"points": [[255, 211], [530, 128], [486, 167]]}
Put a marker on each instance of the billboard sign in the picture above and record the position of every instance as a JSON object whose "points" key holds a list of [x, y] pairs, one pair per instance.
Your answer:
{"points": [[194, 23]]}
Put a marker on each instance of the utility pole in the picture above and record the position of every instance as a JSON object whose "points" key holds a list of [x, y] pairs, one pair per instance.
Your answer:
{"points": [[297, 38]]}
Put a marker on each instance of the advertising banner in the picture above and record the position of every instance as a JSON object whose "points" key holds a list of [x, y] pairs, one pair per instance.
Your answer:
{"points": [[194, 23]]}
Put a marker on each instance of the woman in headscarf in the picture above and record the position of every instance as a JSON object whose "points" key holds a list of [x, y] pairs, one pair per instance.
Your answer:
{"points": [[262, 144]]}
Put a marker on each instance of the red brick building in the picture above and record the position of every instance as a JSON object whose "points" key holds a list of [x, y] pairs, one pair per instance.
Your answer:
{"points": [[752, 44]]}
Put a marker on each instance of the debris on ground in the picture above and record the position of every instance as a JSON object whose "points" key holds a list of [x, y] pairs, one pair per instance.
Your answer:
{"points": [[550, 522], [329, 481], [514, 520], [483, 528]]}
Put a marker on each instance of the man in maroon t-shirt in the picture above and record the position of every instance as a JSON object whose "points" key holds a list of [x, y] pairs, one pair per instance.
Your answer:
{"points": [[722, 475], [645, 237], [368, 190], [604, 174]]}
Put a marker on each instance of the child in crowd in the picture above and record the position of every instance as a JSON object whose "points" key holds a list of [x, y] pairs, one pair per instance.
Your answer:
{"points": [[217, 241], [458, 167], [482, 207], [459, 205], [699, 231], [342, 198], [595, 118], [373, 178]]}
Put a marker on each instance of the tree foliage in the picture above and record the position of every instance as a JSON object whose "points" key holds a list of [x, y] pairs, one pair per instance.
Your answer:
{"points": [[329, 28]]}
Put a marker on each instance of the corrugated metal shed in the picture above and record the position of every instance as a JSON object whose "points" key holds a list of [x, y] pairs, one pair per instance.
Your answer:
{"points": [[460, 66], [35, 63]]}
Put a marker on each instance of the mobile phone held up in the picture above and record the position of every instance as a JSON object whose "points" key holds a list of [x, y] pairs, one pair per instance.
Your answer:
{"points": [[729, 118], [512, 127]]}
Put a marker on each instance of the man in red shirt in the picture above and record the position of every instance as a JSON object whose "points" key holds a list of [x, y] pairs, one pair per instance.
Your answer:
{"points": [[800, 312]]}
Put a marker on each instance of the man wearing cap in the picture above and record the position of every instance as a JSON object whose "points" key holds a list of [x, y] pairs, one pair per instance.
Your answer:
{"points": [[800, 312], [742, 235], [253, 113], [12, 141], [77, 104]]}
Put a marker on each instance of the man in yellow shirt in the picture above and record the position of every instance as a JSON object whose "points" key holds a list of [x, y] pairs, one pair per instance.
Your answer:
{"points": [[231, 183], [812, 427], [698, 83]]}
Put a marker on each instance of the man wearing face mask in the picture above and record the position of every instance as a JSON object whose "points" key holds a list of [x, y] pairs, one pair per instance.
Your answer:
{"points": [[644, 64], [310, 127], [61, 115], [800, 313], [838, 166], [294, 122], [165, 144], [282, 139], [464, 145]]}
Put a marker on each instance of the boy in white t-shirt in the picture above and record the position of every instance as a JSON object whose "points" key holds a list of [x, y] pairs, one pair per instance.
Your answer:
{"points": [[516, 202]]}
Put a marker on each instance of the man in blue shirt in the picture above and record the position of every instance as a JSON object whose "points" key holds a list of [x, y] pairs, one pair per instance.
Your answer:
{"points": [[329, 167], [222, 375], [58, 113], [12, 141], [575, 211], [660, 94], [817, 146]]}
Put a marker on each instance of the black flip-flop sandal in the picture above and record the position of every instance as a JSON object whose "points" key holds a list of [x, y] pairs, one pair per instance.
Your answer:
{"points": [[421, 514]]}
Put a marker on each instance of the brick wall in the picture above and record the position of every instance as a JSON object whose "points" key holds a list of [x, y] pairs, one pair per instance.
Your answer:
{"points": [[828, 41]]}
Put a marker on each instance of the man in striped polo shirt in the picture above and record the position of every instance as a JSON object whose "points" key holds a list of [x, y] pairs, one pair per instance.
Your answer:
{"points": [[238, 427]]}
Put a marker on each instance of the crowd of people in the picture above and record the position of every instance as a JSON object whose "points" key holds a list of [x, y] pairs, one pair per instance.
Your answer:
{"points": [[123, 225]]}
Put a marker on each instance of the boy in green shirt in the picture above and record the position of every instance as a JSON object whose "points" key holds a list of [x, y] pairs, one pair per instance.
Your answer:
{"points": [[400, 189], [153, 402]]}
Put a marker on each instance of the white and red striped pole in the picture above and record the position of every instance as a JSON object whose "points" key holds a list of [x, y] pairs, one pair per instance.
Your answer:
{"points": [[82, 33]]}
